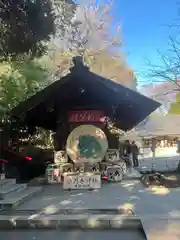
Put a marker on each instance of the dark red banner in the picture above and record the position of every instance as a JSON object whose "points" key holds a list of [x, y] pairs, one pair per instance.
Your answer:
{"points": [[86, 116]]}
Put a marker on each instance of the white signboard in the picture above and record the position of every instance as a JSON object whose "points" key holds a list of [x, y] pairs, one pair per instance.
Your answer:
{"points": [[70, 180], [82, 181]]}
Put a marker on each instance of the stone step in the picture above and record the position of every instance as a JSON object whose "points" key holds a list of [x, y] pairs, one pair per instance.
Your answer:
{"points": [[16, 198], [7, 181], [9, 189], [70, 222], [76, 211]]}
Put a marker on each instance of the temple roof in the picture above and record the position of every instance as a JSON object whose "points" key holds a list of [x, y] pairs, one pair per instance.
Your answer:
{"points": [[168, 125], [82, 89]]}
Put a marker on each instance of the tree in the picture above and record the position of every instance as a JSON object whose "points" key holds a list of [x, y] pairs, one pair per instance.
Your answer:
{"points": [[163, 92], [90, 35], [25, 26], [18, 81], [169, 69], [175, 107], [167, 73], [64, 11], [21, 73], [22, 76]]}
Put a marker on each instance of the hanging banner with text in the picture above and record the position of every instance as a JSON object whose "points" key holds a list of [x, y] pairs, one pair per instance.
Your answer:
{"points": [[86, 116]]}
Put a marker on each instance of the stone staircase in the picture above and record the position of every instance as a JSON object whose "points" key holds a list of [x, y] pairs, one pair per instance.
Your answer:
{"points": [[12, 194]]}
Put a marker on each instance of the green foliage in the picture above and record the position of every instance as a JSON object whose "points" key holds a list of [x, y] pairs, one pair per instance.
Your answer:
{"points": [[19, 80], [25, 29], [175, 107], [37, 154], [25, 26]]}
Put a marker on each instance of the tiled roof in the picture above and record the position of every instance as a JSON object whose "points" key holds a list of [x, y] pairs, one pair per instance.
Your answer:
{"points": [[161, 125]]}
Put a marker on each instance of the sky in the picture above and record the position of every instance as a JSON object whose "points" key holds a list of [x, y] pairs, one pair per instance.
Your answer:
{"points": [[144, 30]]}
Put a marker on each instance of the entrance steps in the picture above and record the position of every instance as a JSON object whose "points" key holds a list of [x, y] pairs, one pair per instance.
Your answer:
{"points": [[7, 181], [12, 194]]}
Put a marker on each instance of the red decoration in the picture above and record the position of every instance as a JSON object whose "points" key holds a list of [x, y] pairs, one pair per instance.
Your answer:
{"points": [[86, 116]]}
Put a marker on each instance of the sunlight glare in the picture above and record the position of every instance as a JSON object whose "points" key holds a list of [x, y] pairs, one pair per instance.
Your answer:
{"points": [[160, 190], [50, 209]]}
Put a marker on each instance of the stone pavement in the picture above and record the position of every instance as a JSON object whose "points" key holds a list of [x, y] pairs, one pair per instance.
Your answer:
{"points": [[54, 198], [148, 204], [129, 194]]}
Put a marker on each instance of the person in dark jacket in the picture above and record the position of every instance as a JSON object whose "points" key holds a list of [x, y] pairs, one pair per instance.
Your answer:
{"points": [[135, 153], [127, 148], [127, 153]]}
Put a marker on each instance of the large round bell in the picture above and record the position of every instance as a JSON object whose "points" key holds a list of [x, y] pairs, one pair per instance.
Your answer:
{"points": [[87, 143]]}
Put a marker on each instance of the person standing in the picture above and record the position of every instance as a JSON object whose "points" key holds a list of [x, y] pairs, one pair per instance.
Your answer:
{"points": [[153, 149], [127, 153], [135, 153], [178, 146]]}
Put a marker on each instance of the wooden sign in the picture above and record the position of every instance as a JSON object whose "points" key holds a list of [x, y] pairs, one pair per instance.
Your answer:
{"points": [[82, 180], [86, 116], [70, 179]]}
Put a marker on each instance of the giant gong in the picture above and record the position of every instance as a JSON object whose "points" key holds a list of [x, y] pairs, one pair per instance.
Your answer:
{"points": [[87, 143]]}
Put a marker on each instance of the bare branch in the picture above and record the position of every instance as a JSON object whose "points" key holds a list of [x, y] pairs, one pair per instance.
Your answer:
{"points": [[90, 35], [169, 70]]}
